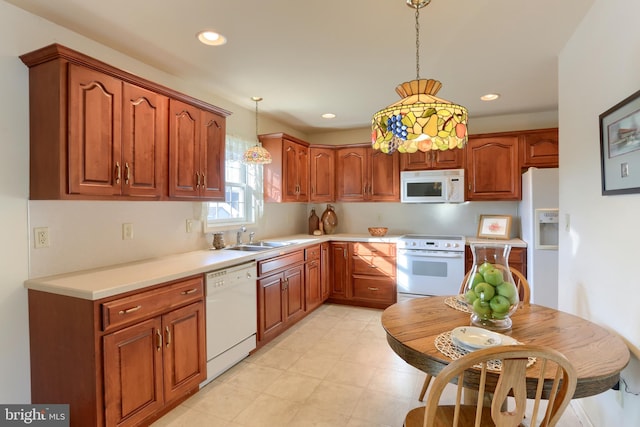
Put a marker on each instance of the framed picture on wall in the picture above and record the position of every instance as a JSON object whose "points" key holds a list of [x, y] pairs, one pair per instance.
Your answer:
{"points": [[620, 147], [495, 226]]}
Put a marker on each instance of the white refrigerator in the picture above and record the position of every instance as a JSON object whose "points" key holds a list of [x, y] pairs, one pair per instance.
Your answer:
{"points": [[539, 219]]}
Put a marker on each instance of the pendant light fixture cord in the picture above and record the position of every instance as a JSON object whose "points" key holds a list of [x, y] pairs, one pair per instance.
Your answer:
{"points": [[417, 43]]}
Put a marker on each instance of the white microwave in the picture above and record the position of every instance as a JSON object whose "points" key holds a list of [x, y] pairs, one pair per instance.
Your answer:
{"points": [[432, 186]]}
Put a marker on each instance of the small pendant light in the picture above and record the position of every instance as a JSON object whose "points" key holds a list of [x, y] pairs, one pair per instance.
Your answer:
{"points": [[256, 155]]}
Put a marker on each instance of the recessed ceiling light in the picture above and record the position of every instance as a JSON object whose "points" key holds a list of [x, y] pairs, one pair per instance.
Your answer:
{"points": [[490, 97], [211, 38], [328, 116]]}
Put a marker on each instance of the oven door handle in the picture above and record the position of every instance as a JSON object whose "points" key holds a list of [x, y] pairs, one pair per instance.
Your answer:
{"points": [[431, 254]]}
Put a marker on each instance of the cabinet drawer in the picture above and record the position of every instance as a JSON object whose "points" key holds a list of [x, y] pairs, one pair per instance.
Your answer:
{"points": [[150, 303], [377, 289], [374, 265], [279, 262], [382, 249], [312, 252]]}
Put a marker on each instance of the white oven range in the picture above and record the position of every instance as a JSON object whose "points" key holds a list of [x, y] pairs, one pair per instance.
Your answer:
{"points": [[429, 265]]}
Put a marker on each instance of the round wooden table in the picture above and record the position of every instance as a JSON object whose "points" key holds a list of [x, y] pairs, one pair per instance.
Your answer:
{"points": [[597, 354]]}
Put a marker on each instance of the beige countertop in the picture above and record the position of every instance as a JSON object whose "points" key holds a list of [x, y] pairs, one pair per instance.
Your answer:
{"points": [[515, 243], [113, 280]]}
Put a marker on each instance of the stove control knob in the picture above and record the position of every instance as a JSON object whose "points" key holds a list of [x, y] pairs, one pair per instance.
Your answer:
{"points": [[447, 245], [413, 243]]}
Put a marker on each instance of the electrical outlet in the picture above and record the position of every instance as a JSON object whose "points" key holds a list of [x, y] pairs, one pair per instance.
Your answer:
{"points": [[189, 225], [41, 237], [127, 231]]}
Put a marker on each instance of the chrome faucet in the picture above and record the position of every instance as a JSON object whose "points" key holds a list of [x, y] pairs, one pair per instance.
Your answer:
{"points": [[243, 229]]}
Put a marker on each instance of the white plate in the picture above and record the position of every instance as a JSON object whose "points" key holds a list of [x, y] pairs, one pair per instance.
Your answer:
{"points": [[474, 338]]}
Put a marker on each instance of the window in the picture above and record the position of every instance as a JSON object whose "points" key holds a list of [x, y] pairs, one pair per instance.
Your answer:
{"points": [[243, 191]]}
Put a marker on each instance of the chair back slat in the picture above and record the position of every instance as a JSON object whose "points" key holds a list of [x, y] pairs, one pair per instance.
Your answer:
{"points": [[510, 388]]}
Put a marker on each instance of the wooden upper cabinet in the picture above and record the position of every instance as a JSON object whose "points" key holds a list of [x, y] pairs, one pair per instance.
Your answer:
{"points": [[539, 148], [97, 132], [492, 168], [144, 142], [434, 159], [364, 174], [321, 174], [196, 153], [95, 108], [286, 178]]}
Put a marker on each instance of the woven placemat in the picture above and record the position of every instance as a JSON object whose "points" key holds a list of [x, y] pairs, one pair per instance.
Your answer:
{"points": [[458, 302], [445, 345]]}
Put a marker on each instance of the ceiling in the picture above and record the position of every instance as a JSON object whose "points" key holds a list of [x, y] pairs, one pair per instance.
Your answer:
{"points": [[306, 58]]}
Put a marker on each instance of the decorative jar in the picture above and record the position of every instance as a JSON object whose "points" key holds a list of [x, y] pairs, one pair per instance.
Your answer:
{"points": [[490, 289]]}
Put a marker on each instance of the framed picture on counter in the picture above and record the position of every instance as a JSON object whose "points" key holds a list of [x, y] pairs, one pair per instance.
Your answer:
{"points": [[495, 226]]}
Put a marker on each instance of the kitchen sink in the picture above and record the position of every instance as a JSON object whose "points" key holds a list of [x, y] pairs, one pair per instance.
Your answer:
{"points": [[258, 246], [249, 248]]}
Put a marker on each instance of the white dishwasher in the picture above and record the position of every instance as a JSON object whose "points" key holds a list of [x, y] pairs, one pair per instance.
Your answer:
{"points": [[231, 317]]}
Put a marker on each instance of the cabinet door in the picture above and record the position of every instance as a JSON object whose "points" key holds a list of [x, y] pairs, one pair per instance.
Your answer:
{"points": [[415, 161], [133, 373], [302, 166], [144, 142], [184, 155], [340, 274], [492, 170], [322, 175], [95, 108], [384, 176], [184, 350], [290, 171], [325, 270], [271, 315], [294, 293], [448, 159], [351, 174], [212, 146], [313, 287], [539, 148]]}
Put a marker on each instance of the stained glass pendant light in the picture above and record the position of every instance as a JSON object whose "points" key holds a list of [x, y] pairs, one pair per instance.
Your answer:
{"points": [[420, 120], [256, 155]]}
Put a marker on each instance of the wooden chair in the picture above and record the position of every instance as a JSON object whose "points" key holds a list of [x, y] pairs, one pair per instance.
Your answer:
{"points": [[524, 294], [510, 383]]}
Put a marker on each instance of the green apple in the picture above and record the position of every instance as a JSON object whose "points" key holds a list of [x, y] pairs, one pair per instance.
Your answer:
{"points": [[484, 291], [477, 278], [499, 305], [484, 267], [470, 296], [493, 276], [508, 291], [482, 308]]}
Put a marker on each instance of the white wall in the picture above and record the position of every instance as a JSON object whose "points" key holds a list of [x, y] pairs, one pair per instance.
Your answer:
{"points": [[598, 273]]}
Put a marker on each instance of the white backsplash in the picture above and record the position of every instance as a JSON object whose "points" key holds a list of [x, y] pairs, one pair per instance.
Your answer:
{"points": [[88, 234]]}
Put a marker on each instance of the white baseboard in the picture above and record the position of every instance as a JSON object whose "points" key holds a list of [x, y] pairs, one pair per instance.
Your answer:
{"points": [[576, 405]]}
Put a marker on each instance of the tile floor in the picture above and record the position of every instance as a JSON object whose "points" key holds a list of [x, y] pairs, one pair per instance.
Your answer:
{"points": [[332, 369]]}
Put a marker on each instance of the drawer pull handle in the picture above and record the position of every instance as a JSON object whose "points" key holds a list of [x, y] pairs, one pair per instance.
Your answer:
{"points": [[158, 340], [130, 310], [190, 291], [372, 289], [373, 266], [168, 332]]}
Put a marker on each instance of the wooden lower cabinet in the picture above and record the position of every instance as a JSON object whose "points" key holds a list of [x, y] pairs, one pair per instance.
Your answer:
{"points": [[281, 294], [325, 270], [364, 274], [312, 278], [119, 361], [339, 282]]}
